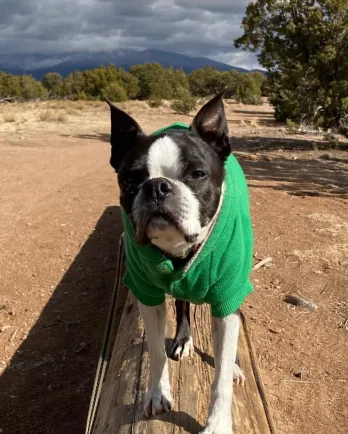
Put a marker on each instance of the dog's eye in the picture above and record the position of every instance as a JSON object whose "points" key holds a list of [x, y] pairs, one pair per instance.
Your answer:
{"points": [[137, 176], [198, 174]]}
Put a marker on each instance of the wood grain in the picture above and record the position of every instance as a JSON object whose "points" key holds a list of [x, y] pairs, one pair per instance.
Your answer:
{"points": [[122, 393]]}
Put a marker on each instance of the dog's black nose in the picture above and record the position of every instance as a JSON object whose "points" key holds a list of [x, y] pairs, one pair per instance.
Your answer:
{"points": [[157, 188]]}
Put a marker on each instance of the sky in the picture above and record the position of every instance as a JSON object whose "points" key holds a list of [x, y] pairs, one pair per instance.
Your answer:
{"points": [[194, 27]]}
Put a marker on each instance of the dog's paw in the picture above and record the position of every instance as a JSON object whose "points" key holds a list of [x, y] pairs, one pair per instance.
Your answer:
{"points": [[218, 425], [238, 375], [157, 401], [183, 348]]}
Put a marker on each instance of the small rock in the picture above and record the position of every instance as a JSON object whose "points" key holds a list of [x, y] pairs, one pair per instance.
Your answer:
{"points": [[4, 328], [275, 330], [326, 156], [296, 300], [299, 373]]}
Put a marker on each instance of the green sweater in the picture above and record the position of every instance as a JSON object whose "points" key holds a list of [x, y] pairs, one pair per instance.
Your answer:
{"points": [[218, 273]]}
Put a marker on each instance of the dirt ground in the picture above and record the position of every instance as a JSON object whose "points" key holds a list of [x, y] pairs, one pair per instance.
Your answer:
{"points": [[59, 229]]}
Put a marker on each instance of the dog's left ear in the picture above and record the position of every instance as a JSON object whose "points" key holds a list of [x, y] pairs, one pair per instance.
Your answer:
{"points": [[125, 132], [211, 125]]}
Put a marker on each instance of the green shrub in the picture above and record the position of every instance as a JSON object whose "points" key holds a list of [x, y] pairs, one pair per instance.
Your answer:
{"points": [[248, 90], [291, 126], [115, 92], [184, 102], [81, 96]]}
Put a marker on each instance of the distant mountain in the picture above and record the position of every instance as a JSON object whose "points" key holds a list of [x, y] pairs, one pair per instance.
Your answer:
{"points": [[64, 63]]}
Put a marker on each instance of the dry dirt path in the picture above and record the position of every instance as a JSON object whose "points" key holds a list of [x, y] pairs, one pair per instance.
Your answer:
{"points": [[59, 228]]}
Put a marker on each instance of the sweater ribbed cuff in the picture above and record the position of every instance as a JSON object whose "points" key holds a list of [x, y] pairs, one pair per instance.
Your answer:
{"points": [[232, 304]]}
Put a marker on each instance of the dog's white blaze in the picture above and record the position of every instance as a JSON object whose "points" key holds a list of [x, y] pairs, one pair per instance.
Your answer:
{"points": [[163, 159]]}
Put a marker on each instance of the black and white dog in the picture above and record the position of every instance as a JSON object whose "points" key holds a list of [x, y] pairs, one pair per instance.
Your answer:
{"points": [[160, 164]]}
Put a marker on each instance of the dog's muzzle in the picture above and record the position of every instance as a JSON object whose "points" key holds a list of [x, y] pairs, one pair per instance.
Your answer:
{"points": [[158, 189]]}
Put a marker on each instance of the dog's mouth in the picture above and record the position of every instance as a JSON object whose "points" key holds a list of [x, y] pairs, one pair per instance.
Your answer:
{"points": [[160, 220]]}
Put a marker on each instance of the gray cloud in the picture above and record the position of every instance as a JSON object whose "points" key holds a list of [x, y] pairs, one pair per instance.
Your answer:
{"points": [[193, 27]]}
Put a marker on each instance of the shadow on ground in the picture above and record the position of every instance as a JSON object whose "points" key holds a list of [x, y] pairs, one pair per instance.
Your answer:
{"points": [[268, 114], [102, 137], [260, 143], [300, 176], [296, 173], [57, 361]]}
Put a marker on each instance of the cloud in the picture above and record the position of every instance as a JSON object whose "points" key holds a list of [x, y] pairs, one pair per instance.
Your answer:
{"points": [[193, 27]]}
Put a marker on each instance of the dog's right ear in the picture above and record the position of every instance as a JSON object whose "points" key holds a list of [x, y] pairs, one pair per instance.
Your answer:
{"points": [[125, 132]]}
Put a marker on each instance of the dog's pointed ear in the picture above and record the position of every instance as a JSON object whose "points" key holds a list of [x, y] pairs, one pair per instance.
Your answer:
{"points": [[211, 125], [125, 132]]}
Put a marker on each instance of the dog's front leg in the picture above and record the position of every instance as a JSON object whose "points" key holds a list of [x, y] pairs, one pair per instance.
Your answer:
{"points": [[158, 398], [225, 339]]}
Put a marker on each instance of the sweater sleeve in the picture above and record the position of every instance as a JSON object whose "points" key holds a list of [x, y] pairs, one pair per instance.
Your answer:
{"points": [[227, 307]]}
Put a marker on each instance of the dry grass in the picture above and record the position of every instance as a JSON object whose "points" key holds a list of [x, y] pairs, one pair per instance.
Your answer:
{"points": [[79, 105], [63, 118], [51, 116], [10, 117], [47, 116], [143, 105], [72, 112]]}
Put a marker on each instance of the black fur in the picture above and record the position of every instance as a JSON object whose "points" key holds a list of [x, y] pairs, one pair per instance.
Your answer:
{"points": [[125, 132], [211, 125], [183, 329]]}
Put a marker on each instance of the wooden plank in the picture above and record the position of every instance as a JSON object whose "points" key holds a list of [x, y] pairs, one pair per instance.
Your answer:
{"points": [[122, 393]]}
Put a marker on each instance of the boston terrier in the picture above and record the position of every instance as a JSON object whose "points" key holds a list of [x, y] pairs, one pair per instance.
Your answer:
{"points": [[185, 209]]}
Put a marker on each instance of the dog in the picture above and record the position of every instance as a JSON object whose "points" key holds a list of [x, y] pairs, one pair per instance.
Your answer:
{"points": [[185, 209]]}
